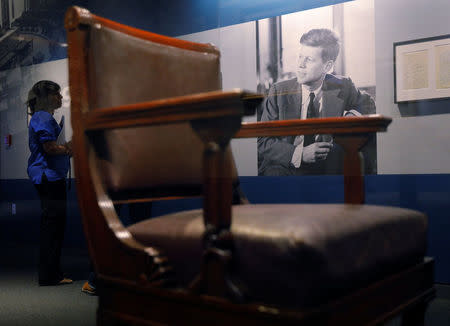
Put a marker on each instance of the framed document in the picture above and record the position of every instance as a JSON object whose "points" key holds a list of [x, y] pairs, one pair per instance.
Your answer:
{"points": [[422, 69]]}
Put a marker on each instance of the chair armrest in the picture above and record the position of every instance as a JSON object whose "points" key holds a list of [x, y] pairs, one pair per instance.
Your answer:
{"points": [[349, 132], [339, 125], [208, 105], [215, 116]]}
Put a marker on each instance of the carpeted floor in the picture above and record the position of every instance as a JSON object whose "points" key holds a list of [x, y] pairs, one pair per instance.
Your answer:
{"points": [[24, 303]]}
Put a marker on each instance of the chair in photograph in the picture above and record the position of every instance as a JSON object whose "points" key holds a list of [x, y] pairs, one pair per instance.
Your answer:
{"points": [[150, 122]]}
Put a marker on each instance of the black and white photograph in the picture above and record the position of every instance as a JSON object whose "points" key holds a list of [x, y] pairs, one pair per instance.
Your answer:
{"points": [[313, 64]]}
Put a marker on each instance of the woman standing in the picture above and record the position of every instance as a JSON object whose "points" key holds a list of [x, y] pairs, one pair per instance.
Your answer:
{"points": [[47, 168]]}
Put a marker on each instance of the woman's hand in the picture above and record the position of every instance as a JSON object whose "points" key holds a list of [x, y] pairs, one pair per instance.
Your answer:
{"points": [[52, 148], [69, 148]]}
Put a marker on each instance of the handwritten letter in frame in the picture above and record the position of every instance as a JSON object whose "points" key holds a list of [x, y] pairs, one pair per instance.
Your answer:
{"points": [[422, 69]]}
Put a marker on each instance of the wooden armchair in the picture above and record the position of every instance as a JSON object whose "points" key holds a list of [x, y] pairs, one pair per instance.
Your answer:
{"points": [[150, 122]]}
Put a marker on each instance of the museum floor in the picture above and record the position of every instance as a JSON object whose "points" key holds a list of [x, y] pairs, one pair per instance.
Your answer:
{"points": [[23, 302]]}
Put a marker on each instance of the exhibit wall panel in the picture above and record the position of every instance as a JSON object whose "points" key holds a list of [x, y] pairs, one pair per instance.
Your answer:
{"points": [[417, 144], [424, 135]]}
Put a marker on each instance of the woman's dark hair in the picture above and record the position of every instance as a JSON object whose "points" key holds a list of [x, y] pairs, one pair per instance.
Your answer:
{"points": [[41, 90]]}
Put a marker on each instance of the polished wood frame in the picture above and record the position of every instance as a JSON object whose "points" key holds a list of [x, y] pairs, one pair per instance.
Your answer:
{"points": [[132, 277]]}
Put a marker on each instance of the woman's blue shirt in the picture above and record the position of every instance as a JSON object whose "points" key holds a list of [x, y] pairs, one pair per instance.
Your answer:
{"points": [[44, 128]]}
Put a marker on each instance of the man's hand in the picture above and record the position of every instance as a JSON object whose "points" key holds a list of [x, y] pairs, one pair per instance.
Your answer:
{"points": [[316, 152]]}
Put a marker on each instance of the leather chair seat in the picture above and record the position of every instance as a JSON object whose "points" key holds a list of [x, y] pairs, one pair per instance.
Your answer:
{"points": [[308, 256]]}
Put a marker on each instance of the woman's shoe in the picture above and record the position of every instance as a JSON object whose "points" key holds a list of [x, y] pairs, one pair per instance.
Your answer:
{"points": [[88, 289], [62, 281]]}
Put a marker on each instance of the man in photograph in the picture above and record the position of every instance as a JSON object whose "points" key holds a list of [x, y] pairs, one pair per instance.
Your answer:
{"points": [[313, 93]]}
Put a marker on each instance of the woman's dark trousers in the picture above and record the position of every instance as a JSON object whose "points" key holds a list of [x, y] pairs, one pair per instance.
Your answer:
{"points": [[53, 197]]}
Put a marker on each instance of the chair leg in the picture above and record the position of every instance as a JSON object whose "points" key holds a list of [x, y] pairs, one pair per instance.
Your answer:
{"points": [[415, 316]]}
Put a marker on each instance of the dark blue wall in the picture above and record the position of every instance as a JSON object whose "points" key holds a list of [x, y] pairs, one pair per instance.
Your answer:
{"points": [[23, 227]]}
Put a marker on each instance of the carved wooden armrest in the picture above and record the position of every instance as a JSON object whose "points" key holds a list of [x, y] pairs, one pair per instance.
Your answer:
{"points": [[200, 106], [349, 132]]}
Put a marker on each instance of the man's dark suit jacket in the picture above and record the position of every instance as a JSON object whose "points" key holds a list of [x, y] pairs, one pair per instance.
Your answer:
{"points": [[284, 102]]}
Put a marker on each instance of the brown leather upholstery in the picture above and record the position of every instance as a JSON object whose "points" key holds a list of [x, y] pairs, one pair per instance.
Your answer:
{"points": [[298, 254], [157, 71]]}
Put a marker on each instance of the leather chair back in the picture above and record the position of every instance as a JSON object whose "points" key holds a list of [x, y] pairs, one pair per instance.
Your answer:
{"points": [[124, 69]]}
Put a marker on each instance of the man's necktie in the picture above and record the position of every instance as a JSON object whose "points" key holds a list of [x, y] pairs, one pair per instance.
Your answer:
{"points": [[311, 113]]}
